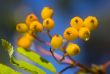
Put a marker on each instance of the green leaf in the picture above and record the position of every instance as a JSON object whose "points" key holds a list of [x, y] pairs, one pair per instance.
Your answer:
{"points": [[7, 70], [18, 63], [7, 46], [26, 66], [37, 59]]}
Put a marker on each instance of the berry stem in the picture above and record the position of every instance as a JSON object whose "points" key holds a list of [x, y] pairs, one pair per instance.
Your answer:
{"points": [[64, 47], [48, 33], [54, 56], [68, 67], [106, 65], [81, 65], [46, 52], [74, 63], [40, 40]]}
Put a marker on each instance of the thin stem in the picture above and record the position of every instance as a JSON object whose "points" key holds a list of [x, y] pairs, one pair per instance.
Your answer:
{"points": [[53, 55], [46, 52], [59, 61], [65, 69], [64, 47], [48, 33], [81, 65], [105, 65], [63, 57], [40, 40]]}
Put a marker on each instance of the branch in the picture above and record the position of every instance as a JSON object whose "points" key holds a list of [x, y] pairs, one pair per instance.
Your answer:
{"points": [[57, 56], [106, 65], [68, 67]]}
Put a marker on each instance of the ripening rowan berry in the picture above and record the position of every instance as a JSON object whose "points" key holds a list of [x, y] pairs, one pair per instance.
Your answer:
{"points": [[76, 22], [46, 12], [25, 41], [48, 24], [56, 41], [70, 34], [84, 33], [30, 18], [90, 22], [36, 26], [22, 27], [72, 49]]}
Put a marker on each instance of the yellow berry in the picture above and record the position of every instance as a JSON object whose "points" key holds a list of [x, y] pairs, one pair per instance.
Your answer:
{"points": [[36, 26], [56, 41], [70, 34], [76, 22], [72, 49], [25, 41], [48, 24], [30, 18], [22, 27], [91, 22], [84, 33], [46, 12]]}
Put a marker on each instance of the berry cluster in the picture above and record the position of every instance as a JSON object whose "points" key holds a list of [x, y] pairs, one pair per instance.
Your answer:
{"points": [[78, 28], [33, 25]]}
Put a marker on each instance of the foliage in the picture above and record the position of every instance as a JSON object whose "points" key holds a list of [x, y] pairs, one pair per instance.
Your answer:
{"points": [[24, 65]]}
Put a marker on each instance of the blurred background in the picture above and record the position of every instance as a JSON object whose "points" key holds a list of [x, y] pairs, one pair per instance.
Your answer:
{"points": [[94, 51]]}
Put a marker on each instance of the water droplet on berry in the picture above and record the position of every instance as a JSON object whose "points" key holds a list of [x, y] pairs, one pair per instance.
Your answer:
{"points": [[86, 36]]}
